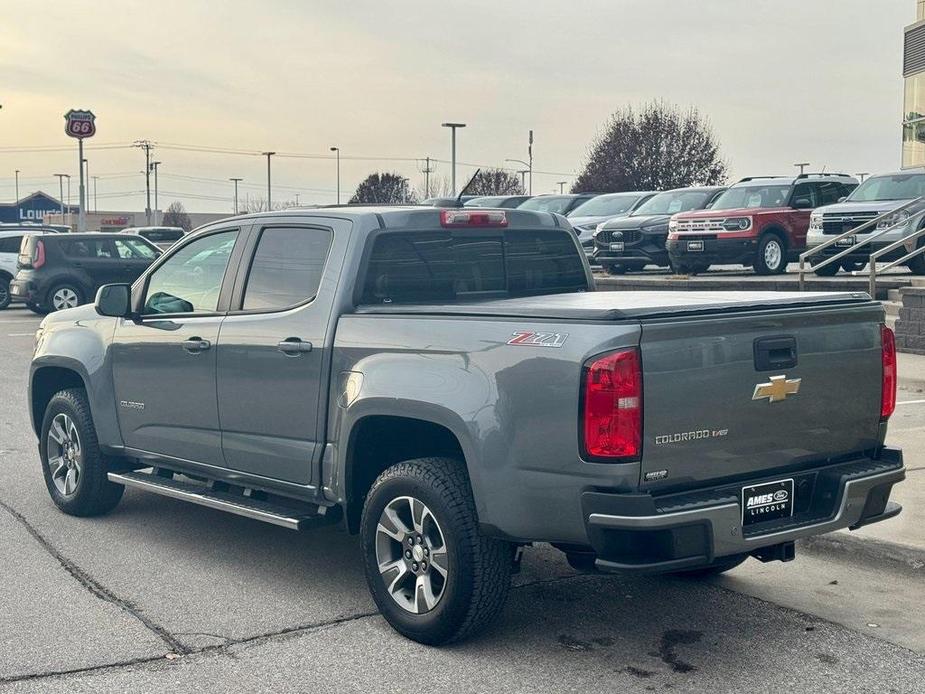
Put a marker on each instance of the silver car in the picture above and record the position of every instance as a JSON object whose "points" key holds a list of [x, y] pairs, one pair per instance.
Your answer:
{"points": [[586, 217], [873, 198]]}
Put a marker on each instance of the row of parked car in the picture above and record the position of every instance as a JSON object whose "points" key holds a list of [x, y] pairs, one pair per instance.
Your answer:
{"points": [[49, 269], [761, 221]]}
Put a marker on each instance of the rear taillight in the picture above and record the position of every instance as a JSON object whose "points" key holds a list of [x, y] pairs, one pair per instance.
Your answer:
{"points": [[473, 218], [612, 407], [888, 355], [38, 255]]}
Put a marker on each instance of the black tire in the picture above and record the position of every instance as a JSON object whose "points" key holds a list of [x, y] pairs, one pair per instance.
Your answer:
{"points": [[717, 567], [4, 293], [478, 568], [37, 308], [93, 494], [583, 562], [699, 268], [77, 292], [616, 269], [762, 264], [917, 264], [853, 265], [828, 270]]}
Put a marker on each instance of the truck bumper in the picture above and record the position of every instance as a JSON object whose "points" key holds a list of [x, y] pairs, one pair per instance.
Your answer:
{"points": [[639, 532], [22, 290], [714, 251]]}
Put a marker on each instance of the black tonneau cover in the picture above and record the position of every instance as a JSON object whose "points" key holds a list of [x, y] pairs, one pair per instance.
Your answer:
{"points": [[612, 306]]}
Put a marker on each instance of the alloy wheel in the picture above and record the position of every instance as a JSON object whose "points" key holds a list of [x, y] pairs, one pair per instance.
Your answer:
{"points": [[65, 456], [411, 554], [64, 297], [773, 254]]}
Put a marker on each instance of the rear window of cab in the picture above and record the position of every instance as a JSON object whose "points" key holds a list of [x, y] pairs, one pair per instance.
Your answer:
{"points": [[451, 266]]}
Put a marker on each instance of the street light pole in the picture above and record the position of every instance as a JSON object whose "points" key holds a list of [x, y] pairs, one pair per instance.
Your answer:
{"points": [[61, 193], [561, 185], [236, 181], [154, 165], [802, 166], [862, 175], [453, 127], [17, 196], [523, 185], [530, 157], [95, 206], [336, 150], [269, 190]]}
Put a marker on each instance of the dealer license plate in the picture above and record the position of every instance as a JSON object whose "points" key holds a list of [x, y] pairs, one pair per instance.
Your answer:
{"points": [[695, 246], [616, 246], [848, 241], [764, 502]]}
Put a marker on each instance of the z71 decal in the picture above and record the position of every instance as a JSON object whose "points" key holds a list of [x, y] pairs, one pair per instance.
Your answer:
{"points": [[528, 338]]}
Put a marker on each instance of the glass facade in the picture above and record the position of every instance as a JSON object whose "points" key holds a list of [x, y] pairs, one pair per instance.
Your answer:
{"points": [[913, 152]]}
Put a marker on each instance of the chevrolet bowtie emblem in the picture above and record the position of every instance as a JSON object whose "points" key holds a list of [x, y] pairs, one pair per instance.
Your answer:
{"points": [[778, 389]]}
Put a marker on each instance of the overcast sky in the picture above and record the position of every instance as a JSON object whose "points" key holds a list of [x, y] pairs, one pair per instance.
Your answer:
{"points": [[781, 80]]}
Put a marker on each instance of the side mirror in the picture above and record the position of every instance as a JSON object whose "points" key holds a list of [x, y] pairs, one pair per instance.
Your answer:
{"points": [[802, 204], [114, 300]]}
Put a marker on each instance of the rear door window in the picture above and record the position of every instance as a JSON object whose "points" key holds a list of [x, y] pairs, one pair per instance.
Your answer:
{"points": [[133, 249], [10, 244], [87, 248], [287, 267], [465, 266]]}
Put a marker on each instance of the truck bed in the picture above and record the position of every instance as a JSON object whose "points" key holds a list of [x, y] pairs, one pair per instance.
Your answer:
{"points": [[618, 306]]}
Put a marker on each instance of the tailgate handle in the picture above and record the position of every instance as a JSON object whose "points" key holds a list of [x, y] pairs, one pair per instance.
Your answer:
{"points": [[775, 353]]}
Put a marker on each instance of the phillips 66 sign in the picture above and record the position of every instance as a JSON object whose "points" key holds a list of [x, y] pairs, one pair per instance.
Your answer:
{"points": [[80, 124]]}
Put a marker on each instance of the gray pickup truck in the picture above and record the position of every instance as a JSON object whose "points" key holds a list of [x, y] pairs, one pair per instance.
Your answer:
{"points": [[447, 384]]}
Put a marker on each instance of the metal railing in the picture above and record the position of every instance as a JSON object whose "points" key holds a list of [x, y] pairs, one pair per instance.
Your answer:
{"points": [[805, 255], [899, 261]]}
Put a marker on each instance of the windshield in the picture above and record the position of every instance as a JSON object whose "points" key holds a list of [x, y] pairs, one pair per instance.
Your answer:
{"points": [[895, 187], [606, 205], [771, 195], [674, 201], [548, 203]]}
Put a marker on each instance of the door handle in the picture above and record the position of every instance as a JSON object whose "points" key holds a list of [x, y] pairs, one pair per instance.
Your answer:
{"points": [[195, 345], [294, 346]]}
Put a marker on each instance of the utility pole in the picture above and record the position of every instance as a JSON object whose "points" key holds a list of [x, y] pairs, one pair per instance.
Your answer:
{"points": [[530, 158], [453, 127], [95, 180], [802, 166], [427, 172], [154, 165], [336, 150], [61, 178], [269, 193], [561, 185], [236, 181], [17, 196], [146, 146]]}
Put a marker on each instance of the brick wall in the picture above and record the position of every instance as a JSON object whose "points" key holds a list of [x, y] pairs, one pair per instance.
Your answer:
{"points": [[910, 326]]}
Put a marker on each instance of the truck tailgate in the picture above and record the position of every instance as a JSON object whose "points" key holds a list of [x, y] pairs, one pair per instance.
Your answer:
{"points": [[704, 421]]}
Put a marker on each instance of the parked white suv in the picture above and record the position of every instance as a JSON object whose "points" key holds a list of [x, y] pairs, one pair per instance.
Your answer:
{"points": [[10, 239], [873, 198]]}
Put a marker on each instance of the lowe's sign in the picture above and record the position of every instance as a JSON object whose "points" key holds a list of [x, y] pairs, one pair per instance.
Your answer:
{"points": [[30, 209]]}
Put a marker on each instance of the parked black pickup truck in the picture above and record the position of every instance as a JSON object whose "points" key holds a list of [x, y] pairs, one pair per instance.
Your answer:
{"points": [[448, 384]]}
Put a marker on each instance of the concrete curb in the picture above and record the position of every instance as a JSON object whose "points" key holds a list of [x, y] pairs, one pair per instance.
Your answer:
{"points": [[914, 384], [880, 554]]}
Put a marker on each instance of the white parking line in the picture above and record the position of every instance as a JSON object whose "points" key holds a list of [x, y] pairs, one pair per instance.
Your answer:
{"points": [[912, 402], [19, 334]]}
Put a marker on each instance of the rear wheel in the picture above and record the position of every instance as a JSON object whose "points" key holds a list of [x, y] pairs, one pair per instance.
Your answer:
{"points": [[4, 293], [72, 465], [434, 577], [853, 265], [771, 258], [63, 296], [616, 269], [917, 264], [718, 566]]}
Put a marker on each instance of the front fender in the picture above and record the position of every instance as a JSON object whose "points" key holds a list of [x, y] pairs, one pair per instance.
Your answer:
{"points": [[80, 347]]}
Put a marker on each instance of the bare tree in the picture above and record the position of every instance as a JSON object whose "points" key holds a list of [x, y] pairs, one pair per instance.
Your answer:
{"points": [[258, 203], [383, 188], [495, 182], [176, 216], [439, 187], [657, 148]]}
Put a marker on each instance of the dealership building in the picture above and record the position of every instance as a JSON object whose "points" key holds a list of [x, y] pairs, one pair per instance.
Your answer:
{"points": [[914, 90]]}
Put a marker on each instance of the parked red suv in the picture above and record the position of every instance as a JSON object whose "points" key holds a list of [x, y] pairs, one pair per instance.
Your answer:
{"points": [[760, 221]]}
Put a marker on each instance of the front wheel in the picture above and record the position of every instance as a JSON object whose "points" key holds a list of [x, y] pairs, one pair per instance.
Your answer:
{"points": [[434, 577], [827, 271], [72, 464], [771, 258]]}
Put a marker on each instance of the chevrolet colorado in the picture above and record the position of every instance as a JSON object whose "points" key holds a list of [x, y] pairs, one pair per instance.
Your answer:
{"points": [[446, 383]]}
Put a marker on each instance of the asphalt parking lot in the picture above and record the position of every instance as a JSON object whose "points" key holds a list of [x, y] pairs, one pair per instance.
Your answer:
{"points": [[161, 596]]}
